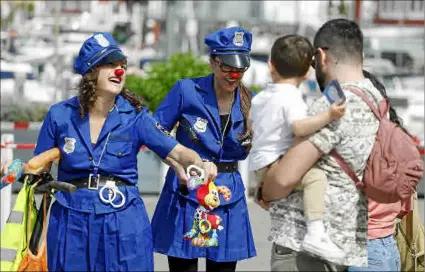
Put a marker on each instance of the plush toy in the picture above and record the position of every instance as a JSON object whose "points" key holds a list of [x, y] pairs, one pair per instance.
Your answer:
{"points": [[205, 222], [18, 167], [14, 173]]}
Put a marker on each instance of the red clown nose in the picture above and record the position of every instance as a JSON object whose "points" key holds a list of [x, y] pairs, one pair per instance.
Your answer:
{"points": [[119, 72], [235, 75]]}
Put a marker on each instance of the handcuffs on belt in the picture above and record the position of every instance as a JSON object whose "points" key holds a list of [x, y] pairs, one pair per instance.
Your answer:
{"points": [[113, 191]]}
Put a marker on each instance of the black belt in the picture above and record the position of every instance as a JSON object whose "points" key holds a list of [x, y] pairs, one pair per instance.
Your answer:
{"points": [[227, 167], [93, 183]]}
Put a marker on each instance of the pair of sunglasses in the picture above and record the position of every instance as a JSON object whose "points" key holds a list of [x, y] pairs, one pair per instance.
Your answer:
{"points": [[227, 69]]}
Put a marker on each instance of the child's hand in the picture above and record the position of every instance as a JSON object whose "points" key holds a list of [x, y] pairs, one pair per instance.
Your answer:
{"points": [[337, 111]]}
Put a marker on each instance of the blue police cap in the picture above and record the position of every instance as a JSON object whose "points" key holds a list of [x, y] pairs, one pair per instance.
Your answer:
{"points": [[233, 44], [100, 48]]}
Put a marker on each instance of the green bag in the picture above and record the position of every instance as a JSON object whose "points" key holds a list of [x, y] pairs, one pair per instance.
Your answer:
{"points": [[13, 236], [409, 235]]}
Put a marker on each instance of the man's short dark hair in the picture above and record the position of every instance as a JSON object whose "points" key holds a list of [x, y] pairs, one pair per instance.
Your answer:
{"points": [[342, 38], [291, 55]]}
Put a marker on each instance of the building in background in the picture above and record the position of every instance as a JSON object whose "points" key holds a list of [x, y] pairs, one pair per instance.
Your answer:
{"points": [[394, 31]]}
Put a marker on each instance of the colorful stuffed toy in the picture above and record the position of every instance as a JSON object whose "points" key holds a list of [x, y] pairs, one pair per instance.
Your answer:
{"points": [[14, 173], [206, 223], [18, 167]]}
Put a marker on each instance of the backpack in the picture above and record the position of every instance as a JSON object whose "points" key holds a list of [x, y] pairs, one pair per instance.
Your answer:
{"points": [[394, 166]]}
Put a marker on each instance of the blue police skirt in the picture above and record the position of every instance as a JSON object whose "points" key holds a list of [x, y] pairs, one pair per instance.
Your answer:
{"points": [[120, 240], [174, 216]]}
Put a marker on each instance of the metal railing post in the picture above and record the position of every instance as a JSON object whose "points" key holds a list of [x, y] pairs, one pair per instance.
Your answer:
{"points": [[6, 192]]}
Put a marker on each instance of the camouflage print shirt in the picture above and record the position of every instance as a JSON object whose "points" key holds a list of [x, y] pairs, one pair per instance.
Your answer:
{"points": [[345, 215]]}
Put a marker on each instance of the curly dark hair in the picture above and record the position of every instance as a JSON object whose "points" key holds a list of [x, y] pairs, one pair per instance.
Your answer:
{"points": [[87, 93]]}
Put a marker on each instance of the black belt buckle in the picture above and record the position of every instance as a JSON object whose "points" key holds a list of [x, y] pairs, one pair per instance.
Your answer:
{"points": [[227, 167], [93, 182]]}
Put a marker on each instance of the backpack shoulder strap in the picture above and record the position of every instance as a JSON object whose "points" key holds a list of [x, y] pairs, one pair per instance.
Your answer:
{"points": [[344, 165], [357, 92]]}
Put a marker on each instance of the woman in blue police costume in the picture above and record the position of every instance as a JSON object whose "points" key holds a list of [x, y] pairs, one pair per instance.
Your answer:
{"points": [[103, 226], [212, 113]]}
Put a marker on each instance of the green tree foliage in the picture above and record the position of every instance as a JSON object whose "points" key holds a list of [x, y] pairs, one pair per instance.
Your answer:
{"points": [[23, 113], [255, 88], [162, 76]]}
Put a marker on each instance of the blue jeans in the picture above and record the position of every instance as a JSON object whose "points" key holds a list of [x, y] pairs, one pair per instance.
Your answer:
{"points": [[383, 255]]}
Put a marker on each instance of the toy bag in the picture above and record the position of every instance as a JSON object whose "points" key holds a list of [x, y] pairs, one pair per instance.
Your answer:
{"points": [[206, 224]]}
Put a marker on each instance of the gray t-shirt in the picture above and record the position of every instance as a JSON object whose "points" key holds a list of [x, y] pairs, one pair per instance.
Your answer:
{"points": [[345, 215]]}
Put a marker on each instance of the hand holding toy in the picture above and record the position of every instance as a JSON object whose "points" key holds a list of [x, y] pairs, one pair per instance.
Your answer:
{"points": [[195, 177], [14, 172], [205, 222], [18, 167]]}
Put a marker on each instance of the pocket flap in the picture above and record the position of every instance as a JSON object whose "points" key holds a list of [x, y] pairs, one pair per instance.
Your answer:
{"points": [[119, 149]]}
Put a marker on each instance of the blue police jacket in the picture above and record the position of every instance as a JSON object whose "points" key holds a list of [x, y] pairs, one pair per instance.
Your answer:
{"points": [[124, 132], [192, 102]]}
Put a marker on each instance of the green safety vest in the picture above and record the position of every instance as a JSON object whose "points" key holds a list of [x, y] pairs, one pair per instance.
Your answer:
{"points": [[13, 237]]}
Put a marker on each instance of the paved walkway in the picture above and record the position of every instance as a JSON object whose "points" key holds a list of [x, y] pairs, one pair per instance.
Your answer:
{"points": [[260, 222]]}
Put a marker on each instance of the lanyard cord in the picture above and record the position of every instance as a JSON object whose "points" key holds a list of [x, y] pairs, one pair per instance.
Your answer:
{"points": [[96, 165], [228, 119]]}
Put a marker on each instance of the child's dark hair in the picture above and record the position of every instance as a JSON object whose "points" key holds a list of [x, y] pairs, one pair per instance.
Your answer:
{"points": [[292, 55]]}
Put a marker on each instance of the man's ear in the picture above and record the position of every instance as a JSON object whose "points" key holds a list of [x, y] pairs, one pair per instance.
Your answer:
{"points": [[322, 57]]}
